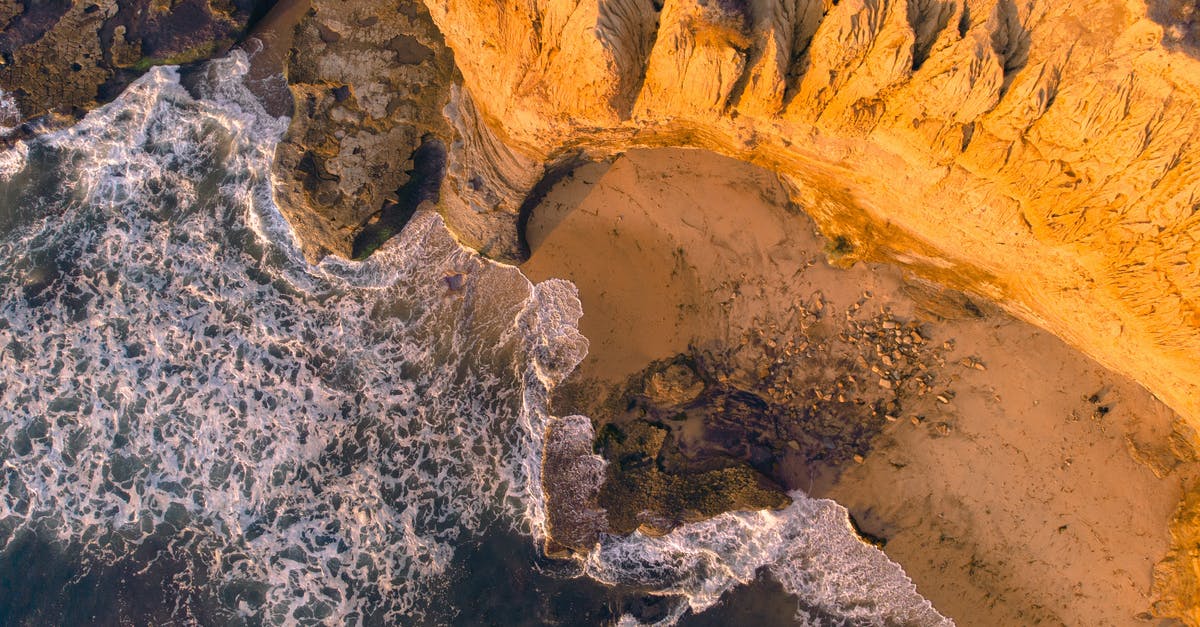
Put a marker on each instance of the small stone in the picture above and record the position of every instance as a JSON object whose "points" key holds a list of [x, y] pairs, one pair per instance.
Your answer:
{"points": [[943, 400], [885, 384], [677, 384], [455, 281], [858, 459]]}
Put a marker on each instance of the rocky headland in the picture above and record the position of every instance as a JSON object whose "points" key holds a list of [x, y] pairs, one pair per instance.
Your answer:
{"points": [[950, 200]]}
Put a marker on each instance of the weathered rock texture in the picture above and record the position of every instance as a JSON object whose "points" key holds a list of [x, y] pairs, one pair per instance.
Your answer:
{"points": [[369, 80], [1042, 153], [65, 56], [1177, 578]]}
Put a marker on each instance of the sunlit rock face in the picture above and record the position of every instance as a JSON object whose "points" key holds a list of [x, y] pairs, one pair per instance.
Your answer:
{"points": [[1041, 153]]}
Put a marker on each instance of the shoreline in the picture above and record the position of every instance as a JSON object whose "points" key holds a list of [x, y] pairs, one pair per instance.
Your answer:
{"points": [[274, 34], [1006, 472]]}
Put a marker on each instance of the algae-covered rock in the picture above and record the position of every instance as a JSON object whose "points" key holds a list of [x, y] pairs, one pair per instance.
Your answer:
{"points": [[638, 492]]}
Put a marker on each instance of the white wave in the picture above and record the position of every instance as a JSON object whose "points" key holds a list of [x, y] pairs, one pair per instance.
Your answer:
{"points": [[10, 113], [809, 547], [167, 358], [12, 159]]}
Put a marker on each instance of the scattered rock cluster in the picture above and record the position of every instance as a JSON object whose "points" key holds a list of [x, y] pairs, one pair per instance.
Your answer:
{"points": [[708, 431], [826, 389]]}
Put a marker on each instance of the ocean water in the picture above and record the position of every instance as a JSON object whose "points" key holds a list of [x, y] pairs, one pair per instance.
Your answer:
{"points": [[199, 427]]}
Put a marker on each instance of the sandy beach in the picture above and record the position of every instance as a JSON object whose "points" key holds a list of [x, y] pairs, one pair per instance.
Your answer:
{"points": [[1015, 480]]}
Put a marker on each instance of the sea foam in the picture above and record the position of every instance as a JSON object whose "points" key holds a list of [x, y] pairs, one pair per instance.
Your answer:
{"points": [[171, 363]]}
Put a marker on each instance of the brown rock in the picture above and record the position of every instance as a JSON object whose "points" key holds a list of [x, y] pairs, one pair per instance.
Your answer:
{"points": [[71, 56], [369, 84]]}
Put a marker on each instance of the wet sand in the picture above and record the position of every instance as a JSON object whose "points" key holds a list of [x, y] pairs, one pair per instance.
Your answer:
{"points": [[1015, 480], [269, 46]]}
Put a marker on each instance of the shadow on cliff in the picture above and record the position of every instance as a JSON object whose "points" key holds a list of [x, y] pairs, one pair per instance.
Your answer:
{"points": [[424, 184], [553, 174], [1180, 20]]}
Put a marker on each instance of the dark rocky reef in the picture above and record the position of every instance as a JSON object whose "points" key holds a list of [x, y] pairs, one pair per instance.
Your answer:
{"points": [[729, 427], [63, 57], [650, 485]]}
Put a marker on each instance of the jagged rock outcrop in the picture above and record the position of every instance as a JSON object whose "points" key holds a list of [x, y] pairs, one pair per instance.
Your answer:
{"points": [[1043, 154], [369, 81], [1177, 578], [65, 56]]}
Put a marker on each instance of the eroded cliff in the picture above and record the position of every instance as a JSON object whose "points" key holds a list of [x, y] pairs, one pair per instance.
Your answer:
{"points": [[1043, 154]]}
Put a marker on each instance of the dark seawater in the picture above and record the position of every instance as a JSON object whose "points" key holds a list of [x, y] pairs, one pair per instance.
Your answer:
{"points": [[199, 427], [497, 579]]}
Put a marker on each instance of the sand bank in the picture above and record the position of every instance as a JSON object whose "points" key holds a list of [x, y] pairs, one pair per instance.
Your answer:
{"points": [[1016, 480]]}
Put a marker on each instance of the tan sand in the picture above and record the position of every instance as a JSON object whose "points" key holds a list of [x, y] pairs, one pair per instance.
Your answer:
{"points": [[1029, 486]]}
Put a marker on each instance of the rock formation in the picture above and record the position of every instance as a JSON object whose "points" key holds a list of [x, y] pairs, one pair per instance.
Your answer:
{"points": [[66, 57], [369, 80], [1177, 578], [1042, 154]]}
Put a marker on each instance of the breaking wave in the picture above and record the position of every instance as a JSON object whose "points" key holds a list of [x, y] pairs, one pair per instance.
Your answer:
{"points": [[172, 372]]}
